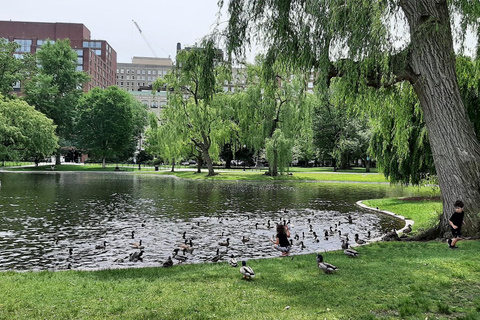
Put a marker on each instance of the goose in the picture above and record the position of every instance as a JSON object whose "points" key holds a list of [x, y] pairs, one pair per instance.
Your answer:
{"points": [[187, 247], [137, 245], [100, 246], [324, 266], [247, 271], [216, 257], [350, 252], [358, 240], [245, 239], [133, 235], [168, 263], [331, 232], [233, 262], [369, 234], [177, 257], [225, 244], [136, 256], [302, 246]]}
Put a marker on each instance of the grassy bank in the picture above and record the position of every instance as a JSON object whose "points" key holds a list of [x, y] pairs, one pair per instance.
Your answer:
{"points": [[388, 281], [297, 174], [424, 211]]}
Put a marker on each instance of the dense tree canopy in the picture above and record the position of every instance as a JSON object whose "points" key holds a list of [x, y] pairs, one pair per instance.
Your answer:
{"points": [[197, 110], [108, 123], [24, 131], [359, 41], [56, 88], [12, 69]]}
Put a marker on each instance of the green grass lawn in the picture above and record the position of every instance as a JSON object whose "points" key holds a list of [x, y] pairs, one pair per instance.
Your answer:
{"points": [[393, 280], [424, 212], [304, 174]]}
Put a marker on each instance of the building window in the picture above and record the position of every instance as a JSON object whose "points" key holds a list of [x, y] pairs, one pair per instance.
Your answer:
{"points": [[149, 71], [79, 68], [25, 45], [121, 70], [145, 102], [80, 60], [143, 71], [79, 52], [98, 52]]}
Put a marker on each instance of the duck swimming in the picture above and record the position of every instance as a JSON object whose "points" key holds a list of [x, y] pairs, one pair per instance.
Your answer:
{"points": [[100, 246]]}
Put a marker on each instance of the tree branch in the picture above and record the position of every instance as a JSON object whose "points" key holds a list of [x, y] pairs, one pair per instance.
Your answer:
{"points": [[399, 64]]}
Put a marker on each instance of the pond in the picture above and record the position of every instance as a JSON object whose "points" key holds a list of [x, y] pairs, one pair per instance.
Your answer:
{"points": [[56, 220]]}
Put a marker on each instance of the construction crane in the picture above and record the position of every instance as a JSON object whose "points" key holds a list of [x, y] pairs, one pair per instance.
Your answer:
{"points": [[145, 38]]}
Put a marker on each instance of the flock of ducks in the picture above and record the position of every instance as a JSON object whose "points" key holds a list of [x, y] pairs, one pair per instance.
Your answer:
{"points": [[183, 251]]}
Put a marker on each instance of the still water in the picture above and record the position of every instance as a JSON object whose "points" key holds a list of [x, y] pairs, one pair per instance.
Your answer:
{"points": [[56, 220]]}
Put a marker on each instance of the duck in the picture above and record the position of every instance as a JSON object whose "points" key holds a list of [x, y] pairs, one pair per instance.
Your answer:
{"points": [[369, 234], [168, 263], [177, 257], [350, 220], [247, 271], [100, 246], [408, 229], [245, 239], [350, 252], [133, 235], [225, 244], [324, 266], [233, 262], [344, 244], [137, 245], [358, 240]]}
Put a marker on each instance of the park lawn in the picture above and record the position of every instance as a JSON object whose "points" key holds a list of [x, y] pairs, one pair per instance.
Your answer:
{"points": [[298, 176], [390, 280], [305, 174], [424, 211]]}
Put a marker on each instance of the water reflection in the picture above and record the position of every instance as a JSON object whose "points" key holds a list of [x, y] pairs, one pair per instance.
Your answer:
{"points": [[51, 221]]}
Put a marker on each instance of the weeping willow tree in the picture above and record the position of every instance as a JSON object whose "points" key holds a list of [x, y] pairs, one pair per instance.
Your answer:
{"points": [[197, 110], [273, 113], [378, 44]]}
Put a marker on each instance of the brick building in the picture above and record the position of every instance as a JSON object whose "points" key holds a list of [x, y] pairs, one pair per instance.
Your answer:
{"points": [[95, 57]]}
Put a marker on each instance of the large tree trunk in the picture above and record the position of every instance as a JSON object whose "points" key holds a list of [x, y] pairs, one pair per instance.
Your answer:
{"points": [[455, 148], [205, 146]]}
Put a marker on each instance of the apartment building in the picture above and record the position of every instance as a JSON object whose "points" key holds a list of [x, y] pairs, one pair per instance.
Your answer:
{"points": [[95, 57], [138, 76]]}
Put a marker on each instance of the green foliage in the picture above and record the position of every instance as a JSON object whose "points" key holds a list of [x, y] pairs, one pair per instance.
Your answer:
{"points": [[274, 112], [197, 113], [24, 131], [109, 122], [13, 70], [56, 88]]}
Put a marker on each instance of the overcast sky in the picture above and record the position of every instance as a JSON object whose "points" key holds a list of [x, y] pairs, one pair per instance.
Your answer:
{"points": [[164, 23]]}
